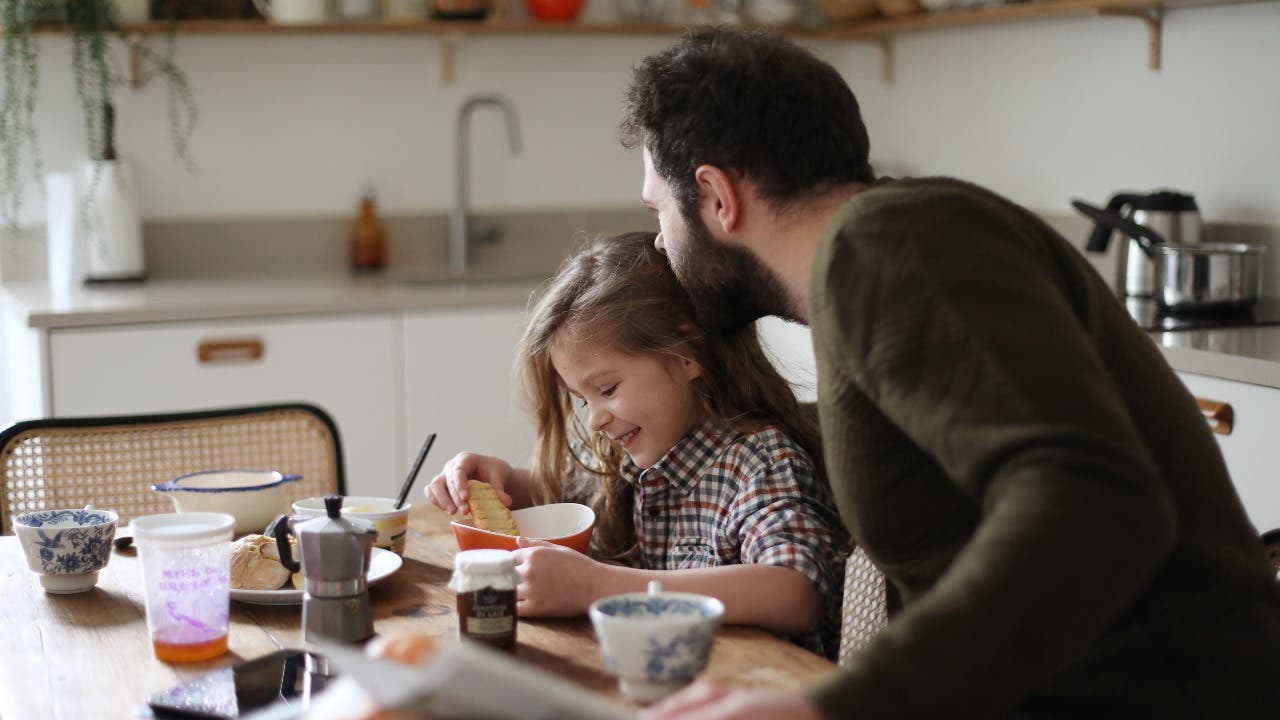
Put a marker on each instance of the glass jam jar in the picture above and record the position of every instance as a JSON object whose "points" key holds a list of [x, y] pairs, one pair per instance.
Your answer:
{"points": [[485, 581]]}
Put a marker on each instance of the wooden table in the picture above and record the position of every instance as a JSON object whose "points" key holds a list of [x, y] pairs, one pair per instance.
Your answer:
{"points": [[89, 656]]}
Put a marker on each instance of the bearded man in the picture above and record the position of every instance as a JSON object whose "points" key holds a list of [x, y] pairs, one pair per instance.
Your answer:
{"points": [[1002, 439]]}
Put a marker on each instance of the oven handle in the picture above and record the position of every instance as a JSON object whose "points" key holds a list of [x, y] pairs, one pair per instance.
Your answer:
{"points": [[1220, 416]]}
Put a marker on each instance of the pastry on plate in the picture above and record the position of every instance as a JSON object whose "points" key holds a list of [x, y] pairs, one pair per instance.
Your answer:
{"points": [[255, 564]]}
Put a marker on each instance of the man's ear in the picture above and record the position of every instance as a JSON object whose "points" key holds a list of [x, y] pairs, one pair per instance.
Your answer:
{"points": [[720, 199]]}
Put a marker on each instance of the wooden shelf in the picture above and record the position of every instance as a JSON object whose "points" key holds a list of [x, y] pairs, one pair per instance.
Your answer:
{"points": [[880, 31], [1018, 12], [873, 28]]}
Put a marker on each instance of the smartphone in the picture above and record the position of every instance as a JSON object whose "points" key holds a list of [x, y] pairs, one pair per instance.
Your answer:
{"points": [[290, 676]]}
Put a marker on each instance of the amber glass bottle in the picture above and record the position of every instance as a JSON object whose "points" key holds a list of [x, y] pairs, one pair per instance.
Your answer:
{"points": [[368, 237]]}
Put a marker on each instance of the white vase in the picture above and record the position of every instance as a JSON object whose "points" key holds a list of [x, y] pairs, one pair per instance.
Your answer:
{"points": [[110, 222]]}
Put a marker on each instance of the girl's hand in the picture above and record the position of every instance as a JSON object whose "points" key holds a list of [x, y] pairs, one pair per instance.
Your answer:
{"points": [[448, 490], [555, 581]]}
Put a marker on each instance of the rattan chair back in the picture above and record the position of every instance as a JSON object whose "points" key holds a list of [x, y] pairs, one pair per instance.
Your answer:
{"points": [[865, 611], [112, 462]]}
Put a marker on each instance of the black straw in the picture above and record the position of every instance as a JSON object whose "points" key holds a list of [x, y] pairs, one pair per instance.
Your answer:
{"points": [[413, 473]]}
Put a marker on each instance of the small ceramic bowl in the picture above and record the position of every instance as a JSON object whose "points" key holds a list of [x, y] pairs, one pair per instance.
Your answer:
{"points": [[656, 642], [567, 524], [391, 523], [772, 13], [555, 10], [66, 548], [253, 497]]}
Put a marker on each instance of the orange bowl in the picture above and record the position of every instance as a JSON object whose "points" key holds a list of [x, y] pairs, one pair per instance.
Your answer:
{"points": [[567, 524]]}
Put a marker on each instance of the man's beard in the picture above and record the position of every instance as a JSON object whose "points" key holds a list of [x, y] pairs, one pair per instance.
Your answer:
{"points": [[729, 286]]}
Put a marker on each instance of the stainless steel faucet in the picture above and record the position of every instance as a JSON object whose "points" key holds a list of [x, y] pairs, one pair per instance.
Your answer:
{"points": [[462, 231]]}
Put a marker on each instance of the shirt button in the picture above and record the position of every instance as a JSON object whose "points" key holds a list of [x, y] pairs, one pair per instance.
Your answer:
{"points": [[652, 512]]}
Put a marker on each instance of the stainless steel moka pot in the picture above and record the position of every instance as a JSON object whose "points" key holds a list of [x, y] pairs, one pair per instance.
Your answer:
{"points": [[1172, 215], [335, 553]]}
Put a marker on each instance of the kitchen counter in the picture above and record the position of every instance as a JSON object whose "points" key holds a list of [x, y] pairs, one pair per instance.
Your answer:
{"points": [[1250, 355], [1243, 354], [177, 300]]}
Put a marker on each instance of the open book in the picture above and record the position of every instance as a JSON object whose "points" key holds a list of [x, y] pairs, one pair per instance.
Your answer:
{"points": [[467, 681]]}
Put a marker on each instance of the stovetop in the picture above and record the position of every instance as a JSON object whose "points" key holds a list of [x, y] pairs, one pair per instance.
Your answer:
{"points": [[1146, 314]]}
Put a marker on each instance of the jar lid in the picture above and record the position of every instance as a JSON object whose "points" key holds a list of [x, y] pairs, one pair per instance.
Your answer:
{"points": [[484, 561]]}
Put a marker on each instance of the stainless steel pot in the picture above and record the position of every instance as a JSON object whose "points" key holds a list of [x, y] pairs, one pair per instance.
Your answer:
{"points": [[1212, 277], [1201, 278]]}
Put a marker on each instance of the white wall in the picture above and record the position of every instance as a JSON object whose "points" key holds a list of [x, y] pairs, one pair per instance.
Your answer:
{"points": [[1047, 111], [294, 126], [1041, 112]]}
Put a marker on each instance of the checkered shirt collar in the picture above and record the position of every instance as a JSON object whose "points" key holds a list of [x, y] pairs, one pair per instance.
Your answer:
{"points": [[684, 465]]}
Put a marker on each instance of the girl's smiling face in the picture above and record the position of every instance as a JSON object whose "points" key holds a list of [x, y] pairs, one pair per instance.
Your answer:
{"points": [[644, 403]]}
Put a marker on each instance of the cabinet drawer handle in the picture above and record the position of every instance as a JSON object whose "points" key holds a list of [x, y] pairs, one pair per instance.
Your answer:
{"points": [[237, 350], [1219, 415]]}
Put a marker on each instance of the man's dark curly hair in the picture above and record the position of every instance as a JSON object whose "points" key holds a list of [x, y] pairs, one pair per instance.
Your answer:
{"points": [[752, 104]]}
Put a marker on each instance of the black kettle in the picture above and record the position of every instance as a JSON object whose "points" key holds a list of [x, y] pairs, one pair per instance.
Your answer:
{"points": [[1172, 216]]}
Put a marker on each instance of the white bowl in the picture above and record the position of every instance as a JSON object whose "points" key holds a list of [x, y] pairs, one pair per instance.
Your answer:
{"points": [[253, 497], [773, 13], [66, 548], [391, 523]]}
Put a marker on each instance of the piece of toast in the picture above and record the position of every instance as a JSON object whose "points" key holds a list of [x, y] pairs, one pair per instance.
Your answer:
{"points": [[487, 510]]}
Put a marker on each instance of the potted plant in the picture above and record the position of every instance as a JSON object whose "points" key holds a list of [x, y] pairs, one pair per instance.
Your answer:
{"points": [[93, 29]]}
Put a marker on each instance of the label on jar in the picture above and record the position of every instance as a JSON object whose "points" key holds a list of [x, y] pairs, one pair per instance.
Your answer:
{"points": [[488, 615]]}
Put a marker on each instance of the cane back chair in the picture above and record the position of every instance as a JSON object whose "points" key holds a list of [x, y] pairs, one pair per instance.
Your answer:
{"points": [[112, 462], [868, 600]]}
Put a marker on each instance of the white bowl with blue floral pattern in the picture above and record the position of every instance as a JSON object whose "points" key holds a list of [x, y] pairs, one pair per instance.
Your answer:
{"points": [[66, 548], [656, 642]]}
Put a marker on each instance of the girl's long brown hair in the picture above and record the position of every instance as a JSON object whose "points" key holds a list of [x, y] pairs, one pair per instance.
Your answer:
{"points": [[619, 292]]}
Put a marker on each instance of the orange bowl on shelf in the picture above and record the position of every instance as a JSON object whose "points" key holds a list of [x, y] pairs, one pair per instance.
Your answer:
{"points": [[555, 10], [567, 524]]}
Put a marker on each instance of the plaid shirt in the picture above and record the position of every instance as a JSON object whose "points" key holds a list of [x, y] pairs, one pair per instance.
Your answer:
{"points": [[725, 497]]}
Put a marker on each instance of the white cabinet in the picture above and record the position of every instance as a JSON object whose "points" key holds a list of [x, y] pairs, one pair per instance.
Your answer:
{"points": [[459, 383], [387, 378], [791, 347], [348, 365], [1250, 448]]}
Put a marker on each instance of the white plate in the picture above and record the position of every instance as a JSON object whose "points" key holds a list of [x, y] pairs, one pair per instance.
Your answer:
{"points": [[382, 564]]}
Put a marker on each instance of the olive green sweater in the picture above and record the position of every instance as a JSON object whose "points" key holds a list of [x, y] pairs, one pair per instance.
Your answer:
{"points": [[1031, 476]]}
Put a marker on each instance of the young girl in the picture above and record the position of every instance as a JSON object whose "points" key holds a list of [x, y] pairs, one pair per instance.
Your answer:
{"points": [[691, 449]]}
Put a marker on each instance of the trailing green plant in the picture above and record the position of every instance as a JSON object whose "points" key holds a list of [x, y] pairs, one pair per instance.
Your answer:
{"points": [[93, 29], [21, 71]]}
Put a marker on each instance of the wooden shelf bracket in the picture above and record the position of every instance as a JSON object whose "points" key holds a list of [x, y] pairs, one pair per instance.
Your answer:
{"points": [[888, 72], [1153, 18], [135, 59], [448, 45]]}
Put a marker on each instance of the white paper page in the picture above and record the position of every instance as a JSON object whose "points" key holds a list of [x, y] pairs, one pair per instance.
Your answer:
{"points": [[466, 681]]}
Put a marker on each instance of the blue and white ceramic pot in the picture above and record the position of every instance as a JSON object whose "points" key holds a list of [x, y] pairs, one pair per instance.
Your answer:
{"points": [[656, 642], [66, 548]]}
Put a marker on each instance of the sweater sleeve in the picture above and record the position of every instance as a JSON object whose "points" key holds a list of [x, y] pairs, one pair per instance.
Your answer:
{"points": [[960, 330]]}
